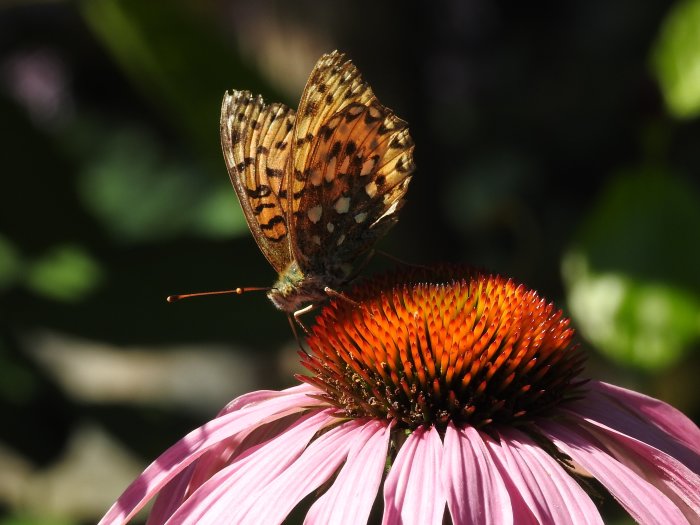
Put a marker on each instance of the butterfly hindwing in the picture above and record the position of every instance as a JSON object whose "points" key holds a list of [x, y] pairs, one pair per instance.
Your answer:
{"points": [[256, 141]]}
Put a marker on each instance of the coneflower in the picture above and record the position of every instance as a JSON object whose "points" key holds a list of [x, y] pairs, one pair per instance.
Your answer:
{"points": [[455, 394]]}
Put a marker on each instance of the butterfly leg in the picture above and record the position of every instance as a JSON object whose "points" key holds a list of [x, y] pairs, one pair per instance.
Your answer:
{"points": [[301, 312], [293, 325]]}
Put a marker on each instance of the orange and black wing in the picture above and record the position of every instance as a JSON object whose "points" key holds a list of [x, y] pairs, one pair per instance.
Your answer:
{"points": [[256, 142], [351, 164]]}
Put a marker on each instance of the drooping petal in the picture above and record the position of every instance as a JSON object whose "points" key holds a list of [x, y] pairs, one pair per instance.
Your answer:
{"points": [[349, 500], [665, 472], [314, 467], [476, 493], [612, 412], [664, 416], [550, 493], [644, 502], [258, 396], [171, 497], [413, 492], [214, 459], [225, 495], [193, 445]]}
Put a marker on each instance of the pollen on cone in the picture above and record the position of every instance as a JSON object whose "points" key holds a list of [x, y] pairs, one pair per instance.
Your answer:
{"points": [[443, 344]]}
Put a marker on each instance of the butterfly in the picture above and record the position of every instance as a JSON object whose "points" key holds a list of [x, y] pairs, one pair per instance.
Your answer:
{"points": [[318, 186]]}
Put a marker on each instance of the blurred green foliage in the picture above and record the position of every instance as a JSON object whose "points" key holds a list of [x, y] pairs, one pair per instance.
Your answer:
{"points": [[127, 165], [10, 263], [634, 288], [676, 59], [16, 520], [65, 273]]}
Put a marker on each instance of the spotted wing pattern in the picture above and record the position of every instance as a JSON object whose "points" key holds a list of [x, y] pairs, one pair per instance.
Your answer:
{"points": [[256, 141], [351, 165]]}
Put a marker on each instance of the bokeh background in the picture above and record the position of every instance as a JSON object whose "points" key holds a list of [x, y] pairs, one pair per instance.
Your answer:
{"points": [[557, 142]]}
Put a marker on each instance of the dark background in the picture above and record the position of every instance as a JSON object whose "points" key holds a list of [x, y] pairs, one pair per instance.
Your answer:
{"points": [[551, 142]]}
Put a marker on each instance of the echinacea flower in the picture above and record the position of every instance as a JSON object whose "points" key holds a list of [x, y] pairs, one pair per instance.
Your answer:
{"points": [[453, 396]]}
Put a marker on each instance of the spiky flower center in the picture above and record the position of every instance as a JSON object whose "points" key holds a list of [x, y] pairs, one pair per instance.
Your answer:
{"points": [[443, 344]]}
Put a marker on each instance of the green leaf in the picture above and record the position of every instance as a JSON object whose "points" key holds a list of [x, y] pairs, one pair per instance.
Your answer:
{"points": [[141, 192], [632, 282], [35, 520], [67, 273], [176, 59], [676, 59], [10, 263]]}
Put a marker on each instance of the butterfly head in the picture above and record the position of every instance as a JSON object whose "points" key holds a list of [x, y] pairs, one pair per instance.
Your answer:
{"points": [[294, 289]]}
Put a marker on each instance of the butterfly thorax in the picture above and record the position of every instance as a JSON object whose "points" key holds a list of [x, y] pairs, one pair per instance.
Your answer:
{"points": [[295, 289]]}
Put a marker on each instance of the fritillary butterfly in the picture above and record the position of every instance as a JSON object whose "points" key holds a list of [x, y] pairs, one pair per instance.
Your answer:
{"points": [[320, 186]]}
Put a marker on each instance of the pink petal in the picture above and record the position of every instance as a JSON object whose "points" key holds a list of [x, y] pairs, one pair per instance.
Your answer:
{"points": [[644, 502], [475, 490], [221, 454], [170, 497], [413, 490], [193, 445], [549, 492], [258, 396], [226, 495], [214, 459], [604, 413], [349, 500], [658, 413], [314, 467], [663, 471]]}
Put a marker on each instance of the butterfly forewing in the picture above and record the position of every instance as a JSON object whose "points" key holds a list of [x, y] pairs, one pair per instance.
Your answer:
{"points": [[352, 160], [334, 84], [358, 173], [256, 141]]}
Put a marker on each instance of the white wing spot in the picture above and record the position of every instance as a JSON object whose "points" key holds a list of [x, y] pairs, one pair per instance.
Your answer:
{"points": [[315, 177], [330, 170], [315, 213], [340, 239], [342, 205], [360, 217], [333, 123], [368, 166], [371, 189], [330, 227]]}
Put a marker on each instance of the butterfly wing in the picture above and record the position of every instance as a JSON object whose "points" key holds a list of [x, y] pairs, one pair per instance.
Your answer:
{"points": [[352, 160], [256, 141]]}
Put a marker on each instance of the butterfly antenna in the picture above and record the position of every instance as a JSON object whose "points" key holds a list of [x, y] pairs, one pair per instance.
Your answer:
{"points": [[236, 291], [400, 262]]}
